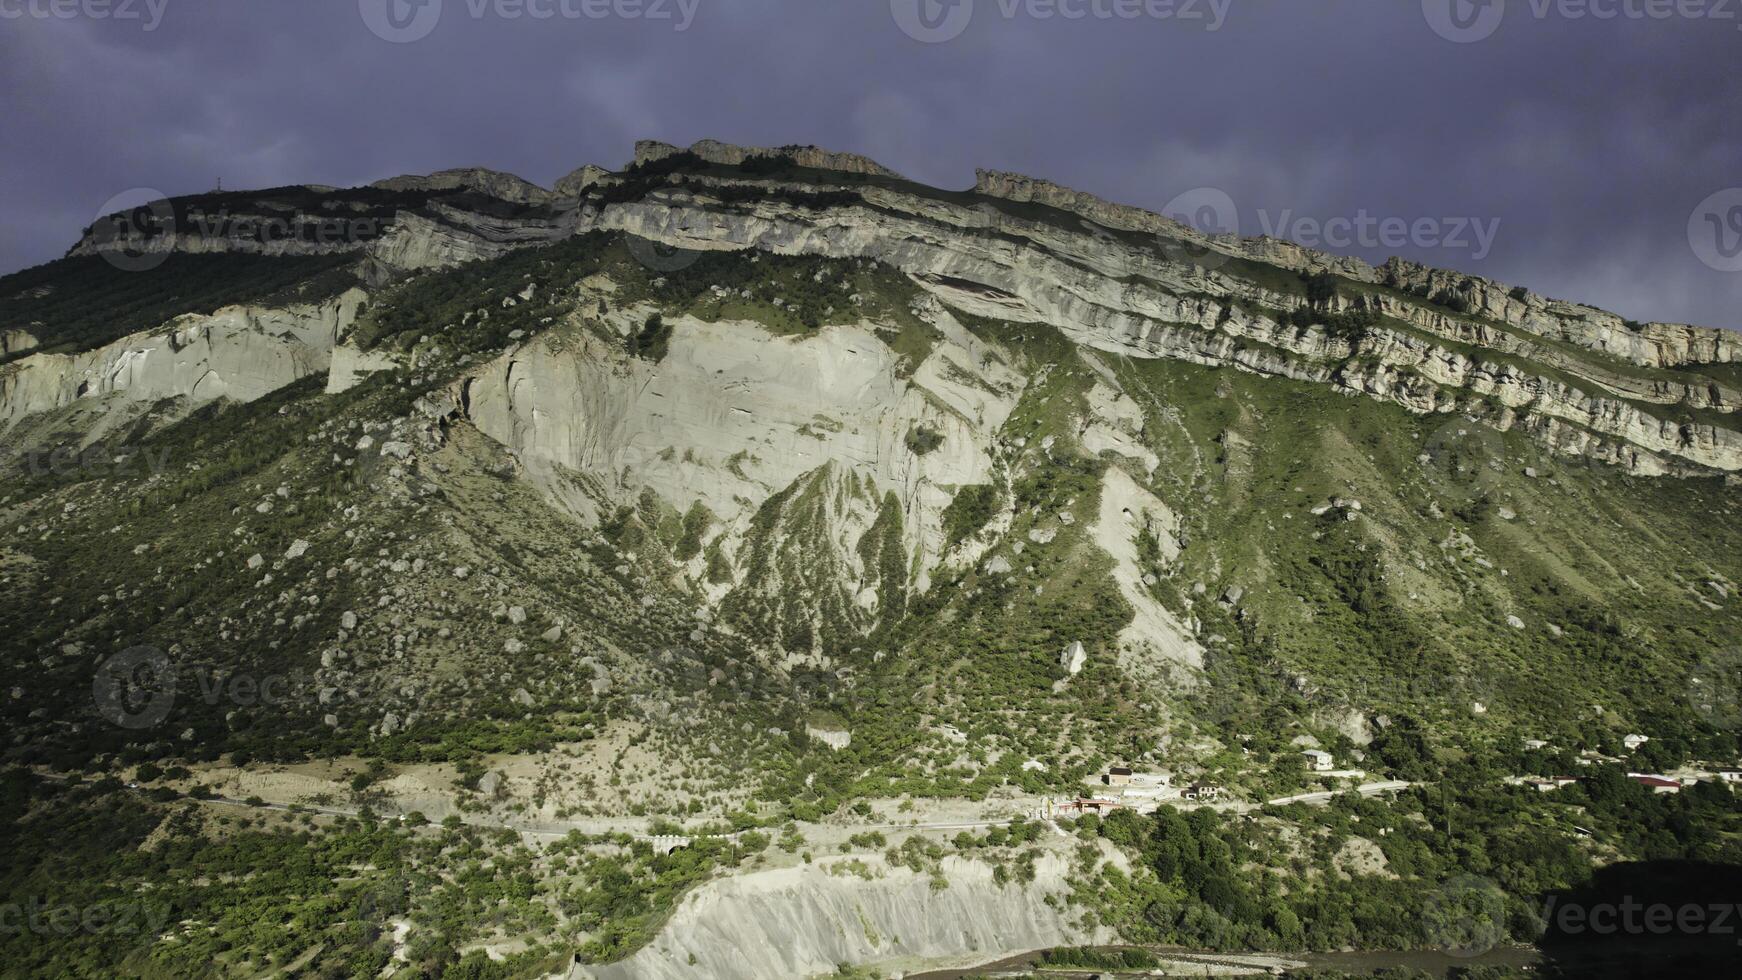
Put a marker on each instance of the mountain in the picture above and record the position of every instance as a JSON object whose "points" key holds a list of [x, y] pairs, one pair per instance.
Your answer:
{"points": [[760, 484]]}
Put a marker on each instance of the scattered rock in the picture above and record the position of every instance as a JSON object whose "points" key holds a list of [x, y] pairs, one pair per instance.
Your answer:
{"points": [[1073, 658]]}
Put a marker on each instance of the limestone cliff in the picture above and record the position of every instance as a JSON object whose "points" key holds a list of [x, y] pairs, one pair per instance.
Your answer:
{"points": [[805, 921], [239, 353]]}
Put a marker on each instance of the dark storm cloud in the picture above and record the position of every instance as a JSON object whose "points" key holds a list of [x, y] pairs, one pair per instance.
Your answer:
{"points": [[1589, 141]]}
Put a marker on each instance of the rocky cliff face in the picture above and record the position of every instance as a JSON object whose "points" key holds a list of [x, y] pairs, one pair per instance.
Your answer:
{"points": [[1057, 281], [714, 151], [239, 353], [492, 183], [1115, 278], [1513, 358], [806, 921]]}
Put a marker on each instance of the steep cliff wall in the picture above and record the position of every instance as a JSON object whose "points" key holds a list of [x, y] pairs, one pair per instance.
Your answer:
{"points": [[805, 921], [239, 353]]}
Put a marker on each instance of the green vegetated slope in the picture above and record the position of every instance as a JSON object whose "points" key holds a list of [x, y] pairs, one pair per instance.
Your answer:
{"points": [[1403, 598], [82, 302], [1448, 530], [1458, 591]]}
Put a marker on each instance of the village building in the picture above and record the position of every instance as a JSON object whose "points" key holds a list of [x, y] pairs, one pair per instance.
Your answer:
{"points": [[1084, 804], [1319, 760], [1656, 783], [1632, 742]]}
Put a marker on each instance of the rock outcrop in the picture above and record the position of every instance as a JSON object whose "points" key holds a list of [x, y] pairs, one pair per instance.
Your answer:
{"points": [[805, 922], [239, 353], [733, 415], [1126, 281], [714, 151], [1137, 299], [493, 183]]}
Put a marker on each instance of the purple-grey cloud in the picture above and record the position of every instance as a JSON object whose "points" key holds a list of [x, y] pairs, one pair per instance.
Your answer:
{"points": [[1589, 142]]}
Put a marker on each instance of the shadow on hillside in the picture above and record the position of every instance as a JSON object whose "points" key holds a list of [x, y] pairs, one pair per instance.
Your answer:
{"points": [[1649, 919]]}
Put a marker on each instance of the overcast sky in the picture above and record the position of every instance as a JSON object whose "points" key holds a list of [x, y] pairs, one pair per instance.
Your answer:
{"points": [[1595, 144]]}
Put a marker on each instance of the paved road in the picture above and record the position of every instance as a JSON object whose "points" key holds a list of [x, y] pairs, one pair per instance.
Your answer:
{"points": [[1325, 796], [634, 831]]}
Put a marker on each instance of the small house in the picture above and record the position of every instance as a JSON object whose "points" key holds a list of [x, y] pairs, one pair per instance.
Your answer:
{"points": [[1656, 783], [1318, 760], [1632, 742], [1117, 776], [1202, 792], [1534, 745], [1730, 775]]}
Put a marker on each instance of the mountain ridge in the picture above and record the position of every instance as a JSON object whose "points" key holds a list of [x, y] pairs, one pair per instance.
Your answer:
{"points": [[1583, 380]]}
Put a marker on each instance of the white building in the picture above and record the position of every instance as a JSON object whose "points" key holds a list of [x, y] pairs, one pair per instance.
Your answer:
{"points": [[1632, 742], [1318, 761]]}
